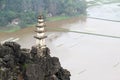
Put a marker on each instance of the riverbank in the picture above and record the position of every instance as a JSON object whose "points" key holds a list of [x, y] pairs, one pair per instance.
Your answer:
{"points": [[55, 20], [51, 25]]}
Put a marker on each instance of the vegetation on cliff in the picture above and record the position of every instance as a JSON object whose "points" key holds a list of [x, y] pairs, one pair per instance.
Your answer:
{"points": [[24, 12]]}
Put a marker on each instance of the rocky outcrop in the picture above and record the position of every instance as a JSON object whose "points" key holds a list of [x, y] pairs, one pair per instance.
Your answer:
{"points": [[24, 64]]}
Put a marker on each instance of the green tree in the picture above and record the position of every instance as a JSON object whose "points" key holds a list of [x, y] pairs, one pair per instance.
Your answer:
{"points": [[27, 10]]}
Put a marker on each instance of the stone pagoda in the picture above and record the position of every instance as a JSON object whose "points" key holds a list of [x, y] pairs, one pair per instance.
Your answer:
{"points": [[40, 36]]}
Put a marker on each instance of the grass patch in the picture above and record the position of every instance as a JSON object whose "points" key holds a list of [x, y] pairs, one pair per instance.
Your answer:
{"points": [[10, 28], [56, 18]]}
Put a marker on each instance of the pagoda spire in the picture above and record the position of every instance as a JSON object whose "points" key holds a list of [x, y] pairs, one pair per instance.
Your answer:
{"points": [[40, 34]]}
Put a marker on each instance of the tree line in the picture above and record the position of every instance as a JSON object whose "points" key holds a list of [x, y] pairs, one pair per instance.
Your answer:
{"points": [[26, 11]]}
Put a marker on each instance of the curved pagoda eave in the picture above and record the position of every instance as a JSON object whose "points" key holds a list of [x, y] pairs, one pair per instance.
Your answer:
{"points": [[40, 37]]}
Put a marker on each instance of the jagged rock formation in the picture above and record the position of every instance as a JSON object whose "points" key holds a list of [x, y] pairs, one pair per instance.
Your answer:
{"points": [[24, 64]]}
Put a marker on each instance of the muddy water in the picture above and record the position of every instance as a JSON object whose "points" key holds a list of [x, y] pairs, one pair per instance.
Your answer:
{"points": [[88, 57]]}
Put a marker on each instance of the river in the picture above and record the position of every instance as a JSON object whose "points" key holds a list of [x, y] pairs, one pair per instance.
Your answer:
{"points": [[88, 57]]}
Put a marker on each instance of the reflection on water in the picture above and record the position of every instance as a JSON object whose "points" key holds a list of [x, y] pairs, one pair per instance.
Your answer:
{"points": [[88, 57]]}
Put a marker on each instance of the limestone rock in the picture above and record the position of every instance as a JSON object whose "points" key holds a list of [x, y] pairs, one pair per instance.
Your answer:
{"points": [[24, 64]]}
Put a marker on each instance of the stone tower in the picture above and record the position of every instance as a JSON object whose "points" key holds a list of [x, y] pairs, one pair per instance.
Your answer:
{"points": [[40, 36]]}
